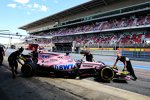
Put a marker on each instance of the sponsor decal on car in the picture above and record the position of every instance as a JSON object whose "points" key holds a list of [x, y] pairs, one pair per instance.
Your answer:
{"points": [[64, 67], [87, 65], [43, 56]]}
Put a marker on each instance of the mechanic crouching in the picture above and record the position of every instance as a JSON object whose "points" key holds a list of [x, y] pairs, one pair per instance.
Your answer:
{"points": [[2, 54], [127, 64]]}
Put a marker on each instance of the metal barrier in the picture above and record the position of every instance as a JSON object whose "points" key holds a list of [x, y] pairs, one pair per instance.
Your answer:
{"points": [[133, 55], [137, 55], [104, 52]]}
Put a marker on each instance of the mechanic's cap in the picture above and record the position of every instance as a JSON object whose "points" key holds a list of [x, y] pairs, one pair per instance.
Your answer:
{"points": [[21, 49]]}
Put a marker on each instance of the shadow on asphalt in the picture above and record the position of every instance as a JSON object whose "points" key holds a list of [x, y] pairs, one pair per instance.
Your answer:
{"points": [[119, 81], [73, 77], [114, 80]]}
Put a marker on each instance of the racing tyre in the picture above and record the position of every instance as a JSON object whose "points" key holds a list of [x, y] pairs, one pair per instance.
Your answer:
{"points": [[0, 62], [28, 69], [106, 74]]}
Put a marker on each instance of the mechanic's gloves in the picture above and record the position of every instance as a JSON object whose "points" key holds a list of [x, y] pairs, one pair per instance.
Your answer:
{"points": [[125, 72], [22, 58], [124, 69], [114, 67]]}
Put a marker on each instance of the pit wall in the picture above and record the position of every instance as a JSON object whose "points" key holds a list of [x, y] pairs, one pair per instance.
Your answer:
{"points": [[135, 49], [124, 49], [142, 54]]}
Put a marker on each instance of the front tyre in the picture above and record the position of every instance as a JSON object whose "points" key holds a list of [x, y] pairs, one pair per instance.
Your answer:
{"points": [[106, 74], [28, 69]]}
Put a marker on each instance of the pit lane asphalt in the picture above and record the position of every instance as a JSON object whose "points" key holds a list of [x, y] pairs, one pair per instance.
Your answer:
{"points": [[140, 86], [29, 88], [46, 88]]}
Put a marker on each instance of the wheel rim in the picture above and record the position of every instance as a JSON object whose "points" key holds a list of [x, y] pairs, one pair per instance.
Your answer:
{"points": [[107, 73], [27, 69]]}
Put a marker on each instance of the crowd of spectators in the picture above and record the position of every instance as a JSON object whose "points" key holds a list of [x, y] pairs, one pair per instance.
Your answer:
{"points": [[131, 21], [111, 38], [66, 34], [94, 38]]}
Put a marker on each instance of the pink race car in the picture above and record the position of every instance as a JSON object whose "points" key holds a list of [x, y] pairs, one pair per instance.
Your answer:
{"points": [[59, 64]]}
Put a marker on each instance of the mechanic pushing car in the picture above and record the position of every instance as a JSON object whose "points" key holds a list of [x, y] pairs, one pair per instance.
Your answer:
{"points": [[34, 54], [89, 56], [2, 53], [13, 60], [127, 64]]}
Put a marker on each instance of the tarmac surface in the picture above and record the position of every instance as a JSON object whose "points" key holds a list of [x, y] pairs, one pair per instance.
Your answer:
{"points": [[142, 71], [29, 89], [47, 88]]}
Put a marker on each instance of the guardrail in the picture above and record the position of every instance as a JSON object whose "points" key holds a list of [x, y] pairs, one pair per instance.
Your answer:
{"points": [[134, 55], [137, 55], [104, 52]]}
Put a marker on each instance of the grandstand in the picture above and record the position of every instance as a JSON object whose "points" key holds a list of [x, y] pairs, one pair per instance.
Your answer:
{"points": [[113, 24]]}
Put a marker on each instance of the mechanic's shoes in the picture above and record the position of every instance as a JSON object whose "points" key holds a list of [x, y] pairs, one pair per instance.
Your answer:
{"points": [[13, 76], [16, 72], [134, 78]]}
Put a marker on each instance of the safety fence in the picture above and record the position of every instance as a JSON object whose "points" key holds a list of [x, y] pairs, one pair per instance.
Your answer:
{"points": [[134, 55], [137, 55]]}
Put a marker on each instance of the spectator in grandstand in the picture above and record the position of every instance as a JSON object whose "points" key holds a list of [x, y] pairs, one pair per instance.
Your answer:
{"points": [[127, 64], [13, 60], [2, 53]]}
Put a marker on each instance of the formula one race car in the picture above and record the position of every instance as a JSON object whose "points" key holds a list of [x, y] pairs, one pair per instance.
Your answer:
{"points": [[59, 64]]}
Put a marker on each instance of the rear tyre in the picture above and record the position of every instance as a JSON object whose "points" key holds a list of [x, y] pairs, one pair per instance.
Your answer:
{"points": [[106, 74], [1, 61], [28, 69]]}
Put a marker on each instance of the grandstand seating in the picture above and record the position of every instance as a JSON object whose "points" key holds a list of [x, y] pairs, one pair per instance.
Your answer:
{"points": [[122, 38], [101, 26]]}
